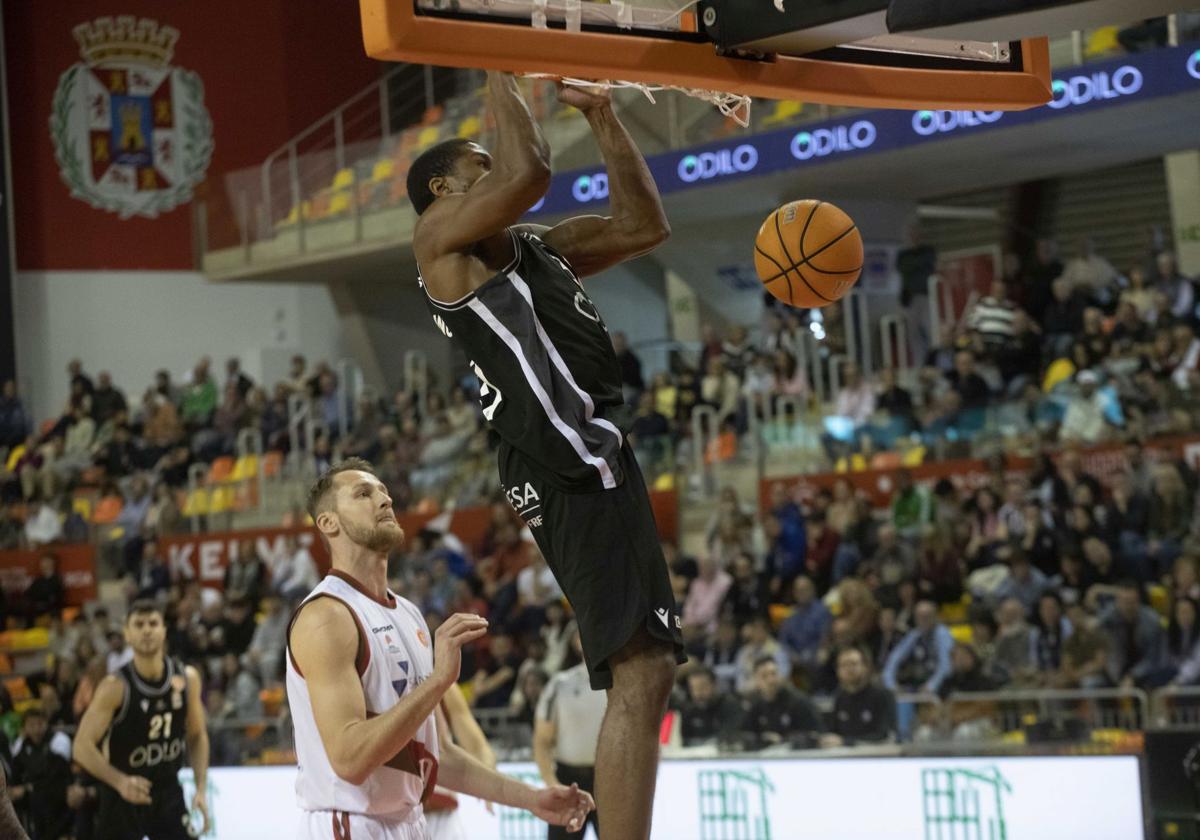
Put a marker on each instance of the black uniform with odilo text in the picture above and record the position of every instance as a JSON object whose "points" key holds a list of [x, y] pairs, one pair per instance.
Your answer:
{"points": [[550, 387], [148, 738]]}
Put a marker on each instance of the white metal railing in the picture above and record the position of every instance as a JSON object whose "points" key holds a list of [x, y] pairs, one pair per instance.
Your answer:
{"points": [[351, 384], [416, 377], [836, 361], [893, 341], [250, 442], [196, 475], [302, 428], [856, 316], [706, 426], [941, 300]]}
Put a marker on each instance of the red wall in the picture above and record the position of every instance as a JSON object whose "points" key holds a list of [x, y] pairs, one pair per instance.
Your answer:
{"points": [[270, 68]]}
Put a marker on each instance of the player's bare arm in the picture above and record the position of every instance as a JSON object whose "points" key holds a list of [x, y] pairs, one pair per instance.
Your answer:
{"points": [[461, 240], [545, 736], [465, 728], [197, 745], [10, 826], [556, 804], [86, 750], [638, 223], [324, 643]]}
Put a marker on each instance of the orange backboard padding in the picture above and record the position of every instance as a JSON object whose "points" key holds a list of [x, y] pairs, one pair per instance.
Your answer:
{"points": [[393, 31]]}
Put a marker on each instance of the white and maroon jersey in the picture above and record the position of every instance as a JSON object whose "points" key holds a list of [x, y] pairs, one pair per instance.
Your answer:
{"points": [[395, 654]]}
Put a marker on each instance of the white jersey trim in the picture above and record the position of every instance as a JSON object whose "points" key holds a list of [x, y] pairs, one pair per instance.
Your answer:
{"points": [[571, 435]]}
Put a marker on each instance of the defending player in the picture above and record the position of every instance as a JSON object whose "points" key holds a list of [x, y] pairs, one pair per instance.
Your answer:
{"points": [[510, 296], [148, 712], [364, 682]]}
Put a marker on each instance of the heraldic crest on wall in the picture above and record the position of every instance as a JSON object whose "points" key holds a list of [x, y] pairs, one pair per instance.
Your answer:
{"points": [[130, 131]]}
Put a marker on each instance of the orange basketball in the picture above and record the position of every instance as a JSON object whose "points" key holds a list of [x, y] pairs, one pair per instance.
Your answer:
{"points": [[808, 253]]}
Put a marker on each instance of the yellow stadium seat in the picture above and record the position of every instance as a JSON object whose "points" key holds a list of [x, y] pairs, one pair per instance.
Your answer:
{"points": [[785, 110], [339, 203], [1160, 599], [1102, 42], [18, 689], [470, 126], [342, 179], [197, 503], [962, 633], [83, 506], [428, 137], [779, 613], [244, 468], [383, 168], [221, 500]]}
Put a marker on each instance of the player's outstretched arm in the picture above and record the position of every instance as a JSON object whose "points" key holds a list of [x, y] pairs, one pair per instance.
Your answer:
{"points": [[556, 804], [109, 696], [520, 175], [638, 223], [197, 745], [324, 643]]}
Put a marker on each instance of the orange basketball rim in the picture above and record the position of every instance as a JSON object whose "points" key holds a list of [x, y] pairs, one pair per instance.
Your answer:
{"points": [[394, 31]]}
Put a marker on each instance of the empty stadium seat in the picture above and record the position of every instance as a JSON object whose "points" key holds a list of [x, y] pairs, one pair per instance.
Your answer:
{"points": [[221, 499], [784, 111], [220, 470], [342, 178], [245, 467], [107, 510], [272, 463], [197, 503]]}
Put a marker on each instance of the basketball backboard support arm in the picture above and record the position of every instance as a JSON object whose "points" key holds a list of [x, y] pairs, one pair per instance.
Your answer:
{"points": [[393, 30]]}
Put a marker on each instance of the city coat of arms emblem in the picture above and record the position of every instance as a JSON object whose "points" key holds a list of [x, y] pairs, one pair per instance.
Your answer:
{"points": [[130, 131]]}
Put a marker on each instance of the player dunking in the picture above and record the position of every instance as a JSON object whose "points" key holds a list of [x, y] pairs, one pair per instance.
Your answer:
{"points": [[364, 684], [510, 296], [149, 711]]}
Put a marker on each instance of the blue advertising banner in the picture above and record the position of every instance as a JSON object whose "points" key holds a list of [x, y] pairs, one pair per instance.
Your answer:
{"points": [[1091, 87]]}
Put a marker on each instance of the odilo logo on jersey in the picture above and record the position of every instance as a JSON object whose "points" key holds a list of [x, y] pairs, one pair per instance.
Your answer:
{"points": [[523, 498], [153, 754]]}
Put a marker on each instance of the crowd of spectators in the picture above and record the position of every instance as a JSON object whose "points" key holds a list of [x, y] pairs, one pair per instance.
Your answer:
{"points": [[803, 620]]}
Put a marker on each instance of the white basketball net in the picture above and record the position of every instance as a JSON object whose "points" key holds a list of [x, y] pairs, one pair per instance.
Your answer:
{"points": [[736, 106]]}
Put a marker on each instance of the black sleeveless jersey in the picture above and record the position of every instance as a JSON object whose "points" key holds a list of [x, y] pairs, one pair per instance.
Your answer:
{"points": [[148, 734], [550, 382]]}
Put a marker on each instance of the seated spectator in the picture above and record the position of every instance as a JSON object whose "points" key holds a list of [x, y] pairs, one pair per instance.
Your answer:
{"points": [[910, 506], [787, 552], [708, 714], [758, 643], [536, 584], [43, 525], [494, 682], [940, 567], [241, 688], [894, 561], [153, 574], [992, 317], [1051, 630], [1085, 420], [46, 594], [1024, 582], [886, 637], [1085, 653], [14, 419], [296, 575], [722, 654], [245, 575], [267, 645], [856, 399], [237, 624], [1137, 644], [719, 388], [972, 390], [748, 595], [921, 661], [776, 713], [803, 631], [862, 711], [41, 772], [119, 652], [1014, 642], [893, 400], [704, 599]]}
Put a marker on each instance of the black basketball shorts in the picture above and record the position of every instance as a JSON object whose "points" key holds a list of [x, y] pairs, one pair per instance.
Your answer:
{"points": [[604, 550], [166, 819]]}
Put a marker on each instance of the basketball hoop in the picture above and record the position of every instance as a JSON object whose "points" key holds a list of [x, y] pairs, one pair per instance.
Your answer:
{"points": [[735, 106]]}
